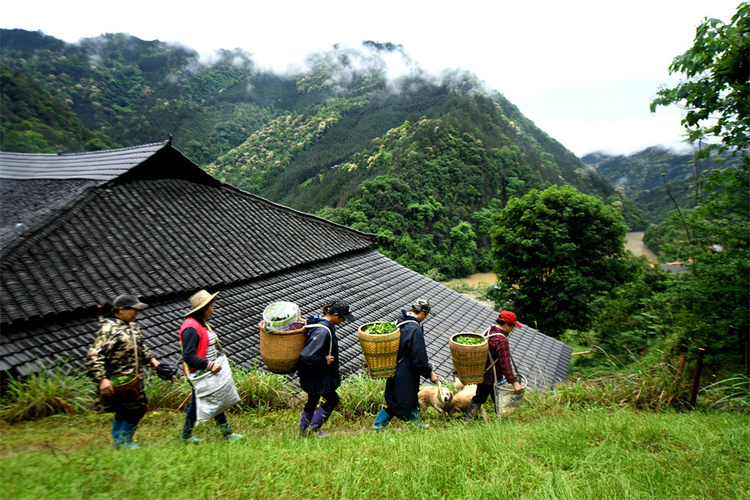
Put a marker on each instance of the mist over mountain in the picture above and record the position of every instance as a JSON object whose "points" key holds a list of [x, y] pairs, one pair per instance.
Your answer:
{"points": [[362, 136]]}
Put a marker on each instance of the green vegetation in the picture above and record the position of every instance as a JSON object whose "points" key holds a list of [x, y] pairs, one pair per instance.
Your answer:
{"points": [[422, 162], [554, 251], [468, 339], [586, 439], [380, 328]]}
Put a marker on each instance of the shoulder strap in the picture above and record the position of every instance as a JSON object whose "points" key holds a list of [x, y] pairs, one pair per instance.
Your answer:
{"points": [[319, 325], [407, 321]]}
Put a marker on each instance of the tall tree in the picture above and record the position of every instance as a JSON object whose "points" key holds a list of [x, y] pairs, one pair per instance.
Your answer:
{"points": [[555, 250], [710, 303], [716, 89]]}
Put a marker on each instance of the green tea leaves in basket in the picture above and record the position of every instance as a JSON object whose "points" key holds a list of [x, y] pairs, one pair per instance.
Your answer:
{"points": [[121, 379], [381, 328], [468, 339]]}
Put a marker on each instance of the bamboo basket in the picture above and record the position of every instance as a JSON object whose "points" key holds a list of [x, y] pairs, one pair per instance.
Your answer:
{"points": [[280, 350], [469, 360], [381, 351]]}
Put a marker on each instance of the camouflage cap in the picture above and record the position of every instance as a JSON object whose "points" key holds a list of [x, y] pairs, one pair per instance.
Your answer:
{"points": [[422, 305]]}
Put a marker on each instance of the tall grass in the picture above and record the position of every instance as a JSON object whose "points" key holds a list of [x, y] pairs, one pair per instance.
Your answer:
{"points": [[50, 391], [643, 386]]}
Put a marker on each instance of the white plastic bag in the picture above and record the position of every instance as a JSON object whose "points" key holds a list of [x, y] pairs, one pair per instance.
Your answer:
{"points": [[507, 400], [214, 392], [280, 316]]}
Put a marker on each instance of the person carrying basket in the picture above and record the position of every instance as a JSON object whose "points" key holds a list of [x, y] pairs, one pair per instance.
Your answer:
{"points": [[499, 364], [318, 366], [401, 390]]}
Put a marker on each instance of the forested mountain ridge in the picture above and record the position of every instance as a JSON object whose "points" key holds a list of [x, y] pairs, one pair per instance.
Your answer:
{"points": [[420, 160], [643, 177]]}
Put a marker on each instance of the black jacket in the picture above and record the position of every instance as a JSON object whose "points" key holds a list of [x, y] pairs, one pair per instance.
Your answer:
{"points": [[315, 375], [401, 389]]}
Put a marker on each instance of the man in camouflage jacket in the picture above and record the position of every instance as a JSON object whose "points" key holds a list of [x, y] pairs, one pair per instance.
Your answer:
{"points": [[114, 354]]}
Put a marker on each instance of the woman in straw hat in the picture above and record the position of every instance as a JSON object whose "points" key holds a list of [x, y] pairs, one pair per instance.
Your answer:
{"points": [[119, 351], [200, 348]]}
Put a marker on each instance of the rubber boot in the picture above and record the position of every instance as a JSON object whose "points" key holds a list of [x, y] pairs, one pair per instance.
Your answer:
{"points": [[127, 431], [228, 433], [318, 419], [304, 422], [116, 429], [382, 420], [414, 419], [471, 411]]}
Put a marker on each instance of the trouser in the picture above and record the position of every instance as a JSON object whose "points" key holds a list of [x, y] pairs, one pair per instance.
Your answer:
{"points": [[483, 390], [331, 401], [132, 416], [192, 415]]}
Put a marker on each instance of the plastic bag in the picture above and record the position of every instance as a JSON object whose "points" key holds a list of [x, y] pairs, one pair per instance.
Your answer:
{"points": [[507, 400], [214, 392], [281, 316]]}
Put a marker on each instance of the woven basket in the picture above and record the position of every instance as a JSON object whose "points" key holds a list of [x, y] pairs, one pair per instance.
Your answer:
{"points": [[280, 350], [469, 360], [381, 351]]}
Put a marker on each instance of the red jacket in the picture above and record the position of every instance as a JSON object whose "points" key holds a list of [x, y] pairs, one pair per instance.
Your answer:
{"points": [[202, 348]]}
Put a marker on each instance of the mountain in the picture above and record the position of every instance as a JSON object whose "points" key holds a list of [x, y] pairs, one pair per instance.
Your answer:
{"points": [[421, 160], [643, 177]]}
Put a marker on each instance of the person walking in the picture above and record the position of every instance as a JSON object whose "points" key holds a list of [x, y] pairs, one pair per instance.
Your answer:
{"points": [[318, 366], [402, 389], [117, 356], [200, 349], [499, 364]]}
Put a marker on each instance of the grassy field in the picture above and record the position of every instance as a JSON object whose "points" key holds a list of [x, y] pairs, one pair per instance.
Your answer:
{"points": [[583, 453]]}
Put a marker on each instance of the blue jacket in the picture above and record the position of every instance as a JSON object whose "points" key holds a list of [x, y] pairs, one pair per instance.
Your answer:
{"points": [[401, 389], [315, 375]]}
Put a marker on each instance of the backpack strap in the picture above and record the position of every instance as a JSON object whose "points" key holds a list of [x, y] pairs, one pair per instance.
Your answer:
{"points": [[399, 326], [319, 325]]}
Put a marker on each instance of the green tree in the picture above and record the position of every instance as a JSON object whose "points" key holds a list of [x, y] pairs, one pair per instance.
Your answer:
{"points": [[708, 306], [554, 251], [716, 91]]}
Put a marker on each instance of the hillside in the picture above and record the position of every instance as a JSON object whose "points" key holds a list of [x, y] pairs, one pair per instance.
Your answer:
{"points": [[421, 160], [641, 177]]}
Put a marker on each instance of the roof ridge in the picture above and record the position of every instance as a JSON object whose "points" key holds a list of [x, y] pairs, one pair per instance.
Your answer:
{"points": [[83, 153]]}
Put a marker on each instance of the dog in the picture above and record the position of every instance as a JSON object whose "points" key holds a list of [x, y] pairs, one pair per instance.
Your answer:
{"points": [[463, 397], [429, 396]]}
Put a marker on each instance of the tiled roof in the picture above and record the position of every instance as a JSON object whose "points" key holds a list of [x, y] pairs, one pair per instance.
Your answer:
{"points": [[98, 165], [160, 237], [162, 229], [376, 287]]}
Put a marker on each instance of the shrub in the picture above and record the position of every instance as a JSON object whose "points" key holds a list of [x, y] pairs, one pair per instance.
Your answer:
{"points": [[49, 391]]}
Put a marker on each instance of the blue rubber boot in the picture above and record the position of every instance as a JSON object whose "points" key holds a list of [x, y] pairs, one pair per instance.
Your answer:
{"points": [[414, 419], [304, 422], [319, 418], [382, 420], [116, 425], [126, 434]]}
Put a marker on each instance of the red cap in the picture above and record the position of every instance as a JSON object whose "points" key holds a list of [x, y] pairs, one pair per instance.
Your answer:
{"points": [[509, 317]]}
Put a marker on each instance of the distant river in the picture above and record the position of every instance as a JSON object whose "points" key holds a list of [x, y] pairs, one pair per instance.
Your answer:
{"points": [[633, 242]]}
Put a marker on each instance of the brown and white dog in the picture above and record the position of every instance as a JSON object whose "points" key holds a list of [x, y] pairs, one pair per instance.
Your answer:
{"points": [[463, 397], [429, 396]]}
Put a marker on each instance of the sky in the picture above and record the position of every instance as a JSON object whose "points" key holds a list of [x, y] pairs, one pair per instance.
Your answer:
{"points": [[584, 71]]}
